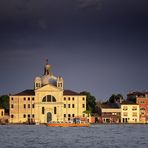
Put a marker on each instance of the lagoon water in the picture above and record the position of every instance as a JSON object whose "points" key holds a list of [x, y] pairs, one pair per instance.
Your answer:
{"points": [[96, 136]]}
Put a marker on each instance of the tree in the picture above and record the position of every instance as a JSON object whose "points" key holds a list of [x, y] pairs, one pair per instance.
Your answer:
{"points": [[98, 108], [90, 102], [112, 98], [116, 98], [4, 102]]}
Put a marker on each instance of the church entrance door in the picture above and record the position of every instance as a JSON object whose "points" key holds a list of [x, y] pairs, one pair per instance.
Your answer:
{"points": [[49, 117]]}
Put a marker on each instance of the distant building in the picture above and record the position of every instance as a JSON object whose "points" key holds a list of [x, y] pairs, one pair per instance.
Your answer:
{"points": [[110, 114], [129, 112], [143, 104], [48, 101], [2, 113], [140, 98], [132, 96]]}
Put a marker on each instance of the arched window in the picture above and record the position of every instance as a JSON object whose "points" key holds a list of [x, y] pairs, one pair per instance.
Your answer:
{"points": [[44, 99], [49, 98], [53, 99]]}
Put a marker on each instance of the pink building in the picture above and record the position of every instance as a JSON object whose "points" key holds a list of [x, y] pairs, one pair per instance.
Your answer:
{"points": [[143, 104]]}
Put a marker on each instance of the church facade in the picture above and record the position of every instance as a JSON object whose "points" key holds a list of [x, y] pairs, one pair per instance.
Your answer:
{"points": [[47, 102]]}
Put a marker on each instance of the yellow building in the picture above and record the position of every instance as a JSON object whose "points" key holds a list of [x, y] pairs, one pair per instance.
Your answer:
{"points": [[48, 101], [129, 112]]}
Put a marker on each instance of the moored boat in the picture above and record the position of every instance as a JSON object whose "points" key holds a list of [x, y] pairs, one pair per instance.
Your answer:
{"points": [[76, 122], [68, 124]]}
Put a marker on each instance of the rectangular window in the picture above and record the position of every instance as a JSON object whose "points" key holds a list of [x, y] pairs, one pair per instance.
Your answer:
{"points": [[134, 108], [43, 110], [134, 114], [33, 115], [12, 98], [73, 106], [68, 105], [12, 116], [28, 115], [24, 105], [2, 113], [24, 116], [73, 115], [73, 98], [28, 105], [32, 98], [24, 99], [64, 115], [125, 120], [55, 110], [12, 106], [83, 99], [69, 116], [142, 101], [125, 108], [64, 105], [125, 114], [33, 105], [64, 99], [69, 98], [83, 105], [28, 98]]}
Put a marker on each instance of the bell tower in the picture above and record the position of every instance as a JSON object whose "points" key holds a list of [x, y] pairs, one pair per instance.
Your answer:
{"points": [[60, 82], [37, 83]]}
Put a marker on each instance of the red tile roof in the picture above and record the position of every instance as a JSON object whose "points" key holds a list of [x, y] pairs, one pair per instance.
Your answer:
{"points": [[27, 92], [30, 92], [70, 92], [138, 93], [128, 103]]}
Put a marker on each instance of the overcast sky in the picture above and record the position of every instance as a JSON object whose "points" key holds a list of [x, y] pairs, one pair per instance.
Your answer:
{"points": [[99, 46]]}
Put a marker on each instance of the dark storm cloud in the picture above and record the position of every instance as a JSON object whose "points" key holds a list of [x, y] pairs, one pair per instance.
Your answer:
{"points": [[101, 44]]}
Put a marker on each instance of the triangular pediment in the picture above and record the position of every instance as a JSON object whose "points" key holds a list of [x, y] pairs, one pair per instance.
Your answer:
{"points": [[48, 87]]}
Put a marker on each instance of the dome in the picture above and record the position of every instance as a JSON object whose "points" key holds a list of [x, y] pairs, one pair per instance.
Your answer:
{"points": [[47, 79]]}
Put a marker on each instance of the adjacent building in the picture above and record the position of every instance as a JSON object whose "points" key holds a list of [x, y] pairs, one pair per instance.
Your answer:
{"points": [[141, 98], [129, 112], [110, 114], [48, 101], [143, 104], [2, 113]]}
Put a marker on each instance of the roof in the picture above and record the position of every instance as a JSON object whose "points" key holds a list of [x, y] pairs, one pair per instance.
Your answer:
{"points": [[128, 103], [138, 93], [27, 92], [71, 93], [110, 105]]}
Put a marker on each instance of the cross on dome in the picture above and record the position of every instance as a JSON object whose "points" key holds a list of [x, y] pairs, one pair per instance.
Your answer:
{"points": [[47, 68]]}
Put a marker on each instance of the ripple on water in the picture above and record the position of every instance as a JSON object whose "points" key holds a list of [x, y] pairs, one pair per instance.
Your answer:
{"points": [[98, 136]]}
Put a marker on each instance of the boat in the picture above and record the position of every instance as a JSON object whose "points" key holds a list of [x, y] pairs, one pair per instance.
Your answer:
{"points": [[75, 123], [68, 124]]}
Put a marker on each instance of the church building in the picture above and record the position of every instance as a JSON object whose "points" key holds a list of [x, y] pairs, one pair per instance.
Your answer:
{"points": [[47, 102]]}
